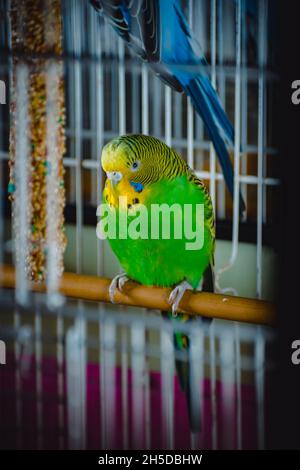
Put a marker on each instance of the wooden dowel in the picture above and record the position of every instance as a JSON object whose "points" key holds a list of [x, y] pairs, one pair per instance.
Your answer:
{"points": [[199, 303]]}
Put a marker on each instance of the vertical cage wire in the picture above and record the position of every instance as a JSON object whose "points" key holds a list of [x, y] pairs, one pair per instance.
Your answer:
{"points": [[227, 378], [122, 91], [213, 393], [262, 22], [168, 116], [157, 109], [102, 378], [60, 357], [38, 328], [17, 377], [237, 141], [21, 227], [145, 100], [109, 398], [222, 93], [200, 29], [260, 386], [190, 112], [138, 385], [76, 399], [196, 365], [237, 344], [99, 141], [77, 96], [244, 104], [167, 372], [145, 130], [124, 385], [212, 153], [147, 380]]}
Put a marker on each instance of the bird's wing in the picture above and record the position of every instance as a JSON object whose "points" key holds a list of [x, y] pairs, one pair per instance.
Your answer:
{"points": [[207, 201], [135, 21], [146, 15], [115, 12], [138, 23]]}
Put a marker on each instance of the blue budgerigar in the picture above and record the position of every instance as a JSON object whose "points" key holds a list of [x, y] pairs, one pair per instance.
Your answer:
{"points": [[158, 32]]}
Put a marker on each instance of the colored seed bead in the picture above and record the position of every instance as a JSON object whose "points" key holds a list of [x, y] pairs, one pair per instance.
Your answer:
{"points": [[11, 188]]}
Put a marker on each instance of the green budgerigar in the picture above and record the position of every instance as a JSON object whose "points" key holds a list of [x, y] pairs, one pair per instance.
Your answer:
{"points": [[145, 172]]}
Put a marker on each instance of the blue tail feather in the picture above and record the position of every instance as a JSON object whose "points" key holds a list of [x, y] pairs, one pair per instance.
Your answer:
{"points": [[211, 112], [215, 102]]}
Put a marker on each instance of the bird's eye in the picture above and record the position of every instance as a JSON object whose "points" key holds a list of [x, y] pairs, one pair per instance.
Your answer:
{"points": [[135, 166]]}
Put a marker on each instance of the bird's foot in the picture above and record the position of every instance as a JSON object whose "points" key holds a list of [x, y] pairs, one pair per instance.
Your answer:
{"points": [[177, 294], [118, 282]]}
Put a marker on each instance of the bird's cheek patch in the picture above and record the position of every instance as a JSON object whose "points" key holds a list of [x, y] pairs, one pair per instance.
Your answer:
{"points": [[134, 209]]}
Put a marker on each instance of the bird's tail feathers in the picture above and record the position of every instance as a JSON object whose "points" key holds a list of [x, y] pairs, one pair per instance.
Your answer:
{"points": [[219, 115], [219, 128], [183, 370]]}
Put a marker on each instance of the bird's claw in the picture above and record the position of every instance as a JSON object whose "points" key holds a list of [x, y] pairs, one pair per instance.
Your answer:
{"points": [[177, 294], [118, 282]]}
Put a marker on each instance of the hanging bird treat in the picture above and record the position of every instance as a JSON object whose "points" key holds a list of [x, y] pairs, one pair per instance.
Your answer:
{"points": [[36, 36]]}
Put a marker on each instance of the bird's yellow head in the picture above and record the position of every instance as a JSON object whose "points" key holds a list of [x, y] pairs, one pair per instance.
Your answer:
{"points": [[132, 158], [133, 163]]}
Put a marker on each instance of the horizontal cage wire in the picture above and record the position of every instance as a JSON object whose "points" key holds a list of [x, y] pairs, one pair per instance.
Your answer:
{"points": [[84, 374]]}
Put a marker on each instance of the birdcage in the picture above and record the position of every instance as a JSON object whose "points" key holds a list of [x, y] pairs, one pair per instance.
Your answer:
{"points": [[79, 372]]}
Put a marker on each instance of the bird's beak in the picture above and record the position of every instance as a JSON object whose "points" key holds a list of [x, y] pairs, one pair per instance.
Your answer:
{"points": [[114, 177]]}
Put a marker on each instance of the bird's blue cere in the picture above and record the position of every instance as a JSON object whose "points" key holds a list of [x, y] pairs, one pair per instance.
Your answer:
{"points": [[138, 187]]}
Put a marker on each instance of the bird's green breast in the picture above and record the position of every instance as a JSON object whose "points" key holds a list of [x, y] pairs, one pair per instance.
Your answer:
{"points": [[165, 262]]}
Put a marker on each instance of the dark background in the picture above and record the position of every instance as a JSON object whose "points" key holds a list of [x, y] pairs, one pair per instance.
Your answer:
{"points": [[285, 421]]}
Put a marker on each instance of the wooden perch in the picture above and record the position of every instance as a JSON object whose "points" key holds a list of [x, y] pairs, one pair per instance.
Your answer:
{"points": [[194, 303]]}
